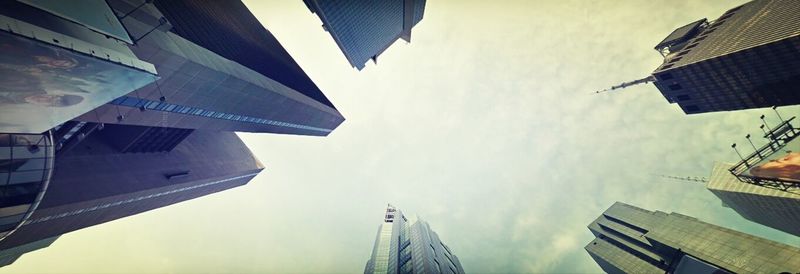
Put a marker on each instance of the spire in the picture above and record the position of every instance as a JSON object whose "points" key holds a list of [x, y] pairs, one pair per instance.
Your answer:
{"points": [[694, 179], [645, 80]]}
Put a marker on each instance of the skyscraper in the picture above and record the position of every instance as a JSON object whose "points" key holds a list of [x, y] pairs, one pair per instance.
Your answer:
{"points": [[775, 208], [365, 29], [747, 58], [95, 183], [764, 187], [219, 69], [634, 240], [404, 246], [124, 106]]}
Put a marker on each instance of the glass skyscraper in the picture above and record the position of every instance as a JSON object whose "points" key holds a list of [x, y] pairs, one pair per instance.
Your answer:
{"points": [[404, 246], [365, 29], [634, 240], [124, 106], [747, 58]]}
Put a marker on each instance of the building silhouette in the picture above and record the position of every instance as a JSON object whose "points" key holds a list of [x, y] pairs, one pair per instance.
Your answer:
{"points": [[633, 240], [141, 102], [363, 30], [404, 246], [747, 58]]}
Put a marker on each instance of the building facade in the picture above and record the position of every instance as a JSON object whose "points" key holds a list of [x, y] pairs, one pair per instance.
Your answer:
{"points": [[775, 208], [404, 246], [95, 182], [365, 29], [219, 69], [634, 240], [747, 58], [125, 106]]}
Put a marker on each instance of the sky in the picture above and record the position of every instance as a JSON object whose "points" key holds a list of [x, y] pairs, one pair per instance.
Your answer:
{"points": [[484, 126]]}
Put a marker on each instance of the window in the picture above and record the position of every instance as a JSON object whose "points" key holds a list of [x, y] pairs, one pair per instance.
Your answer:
{"points": [[675, 87], [683, 97], [665, 76], [701, 38], [692, 108]]}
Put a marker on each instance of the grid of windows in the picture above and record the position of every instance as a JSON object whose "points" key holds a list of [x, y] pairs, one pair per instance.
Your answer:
{"points": [[167, 107], [363, 31], [670, 236], [132, 200]]}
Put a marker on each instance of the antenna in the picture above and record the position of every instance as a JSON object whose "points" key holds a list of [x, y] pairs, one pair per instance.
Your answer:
{"points": [[694, 179], [645, 80]]}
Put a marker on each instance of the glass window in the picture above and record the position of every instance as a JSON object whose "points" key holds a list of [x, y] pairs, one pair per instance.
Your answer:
{"points": [[5, 153], [13, 219], [26, 177], [28, 152], [5, 140], [14, 210], [3, 178], [151, 105], [26, 140], [30, 164]]}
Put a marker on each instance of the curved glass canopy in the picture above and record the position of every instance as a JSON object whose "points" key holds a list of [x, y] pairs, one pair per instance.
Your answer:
{"points": [[26, 165]]}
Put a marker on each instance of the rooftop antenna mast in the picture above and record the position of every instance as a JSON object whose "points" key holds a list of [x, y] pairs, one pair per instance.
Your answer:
{"points": [[693, 179], [645, 80]]}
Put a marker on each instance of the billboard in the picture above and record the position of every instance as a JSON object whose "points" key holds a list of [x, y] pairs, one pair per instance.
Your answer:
{"points": [[42, 86], [783, 165], [93, 14]]}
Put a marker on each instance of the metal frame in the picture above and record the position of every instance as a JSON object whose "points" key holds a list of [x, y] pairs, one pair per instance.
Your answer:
{"points": [[778, 137]]}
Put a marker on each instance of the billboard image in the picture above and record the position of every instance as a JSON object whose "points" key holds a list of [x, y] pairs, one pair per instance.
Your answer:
{"points": [[783, 165], [42, 86]]}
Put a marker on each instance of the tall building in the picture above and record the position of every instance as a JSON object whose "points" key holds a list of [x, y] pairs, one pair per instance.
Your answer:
{"points": [[775, 208], [123, 106], [764, 187], [747, 58], [95, 182], [404, 246], [219, 69], [634, 240], [365, 29]]}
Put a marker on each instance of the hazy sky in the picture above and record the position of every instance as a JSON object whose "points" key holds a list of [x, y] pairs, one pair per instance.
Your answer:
{"points": [[484, 126]]}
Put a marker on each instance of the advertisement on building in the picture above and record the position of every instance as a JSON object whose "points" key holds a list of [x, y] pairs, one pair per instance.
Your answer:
{"points": [[783, 165], [42, 86]]}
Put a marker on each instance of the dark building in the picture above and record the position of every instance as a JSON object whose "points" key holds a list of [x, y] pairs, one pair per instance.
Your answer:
{"points": [[96, 183], [219, 69], [747, 58], [365, 29], [634, 240], [124, 106]]}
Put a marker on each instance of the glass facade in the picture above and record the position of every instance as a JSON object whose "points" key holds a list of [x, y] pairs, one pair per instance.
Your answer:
{"points": [[634, 240], [145, 104], [26, 163], [760, 69], [363, 30], [404, 246]]}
